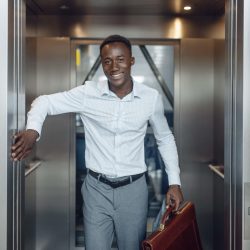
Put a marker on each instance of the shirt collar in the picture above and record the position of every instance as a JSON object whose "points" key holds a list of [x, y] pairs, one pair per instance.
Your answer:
{"points": [[136, 89], [104, 88]]}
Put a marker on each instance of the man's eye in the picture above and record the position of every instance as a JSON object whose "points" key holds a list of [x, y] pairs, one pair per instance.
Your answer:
{"points": [[107, 61], [121, 60]]}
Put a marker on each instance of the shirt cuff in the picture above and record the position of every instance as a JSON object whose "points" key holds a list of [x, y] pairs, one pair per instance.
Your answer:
{"points": [[174, 179], [36, 127]]}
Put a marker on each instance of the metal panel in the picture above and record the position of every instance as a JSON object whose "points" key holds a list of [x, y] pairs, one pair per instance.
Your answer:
{"points": [[246, 125], [30, 181], [30, 212], [218, 182], [135, 26], [195, 129], [52, 177], [4, 150], [12, 107], [235, 126], [155, 7], [219, 100]]}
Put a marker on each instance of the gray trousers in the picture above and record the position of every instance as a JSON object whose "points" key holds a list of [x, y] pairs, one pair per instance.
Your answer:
{"points": [[122, 211]]}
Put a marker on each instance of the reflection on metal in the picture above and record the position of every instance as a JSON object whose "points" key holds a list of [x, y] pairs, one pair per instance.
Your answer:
{"points": [[19, 92], [78, 57], [93, 70], [126, 8], [158, 75], [247, 211]]}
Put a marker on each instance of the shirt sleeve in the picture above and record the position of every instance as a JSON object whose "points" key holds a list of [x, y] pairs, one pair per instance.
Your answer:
{"points": [[54, 104], [165, 141]]}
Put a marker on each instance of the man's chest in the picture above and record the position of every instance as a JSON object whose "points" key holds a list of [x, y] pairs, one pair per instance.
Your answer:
{"points": [[117, 115]]}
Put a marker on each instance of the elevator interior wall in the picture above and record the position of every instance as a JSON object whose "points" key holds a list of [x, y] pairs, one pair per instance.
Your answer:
{"points": [[47, 184], [194, 104]]}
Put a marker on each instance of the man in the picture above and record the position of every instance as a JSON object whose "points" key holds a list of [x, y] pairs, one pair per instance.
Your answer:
{"points": [[115, 114]]}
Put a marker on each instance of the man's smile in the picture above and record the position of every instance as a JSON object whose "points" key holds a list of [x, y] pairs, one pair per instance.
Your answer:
{"points": [[116, 75]]}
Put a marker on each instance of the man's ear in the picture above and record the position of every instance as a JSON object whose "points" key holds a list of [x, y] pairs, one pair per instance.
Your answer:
{"points": [[132, 60]]}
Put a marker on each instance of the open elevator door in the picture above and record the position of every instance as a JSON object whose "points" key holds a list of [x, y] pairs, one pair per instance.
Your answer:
{"points": [[12, 119], [156, 65]]}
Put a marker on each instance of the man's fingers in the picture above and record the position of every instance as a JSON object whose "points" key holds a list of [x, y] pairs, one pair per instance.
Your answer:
{"points": [[19, 152], [174, 196], [18, 156], [168, 202], [19, 142], [177, 204], [26, 154], [23, 144]]}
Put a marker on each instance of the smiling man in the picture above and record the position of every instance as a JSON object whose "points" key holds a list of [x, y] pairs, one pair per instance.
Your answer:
{"points": [[115, 114]]}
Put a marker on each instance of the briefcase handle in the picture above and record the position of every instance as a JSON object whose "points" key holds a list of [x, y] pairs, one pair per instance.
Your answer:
{"points": [[165, 217], [170, 212]]}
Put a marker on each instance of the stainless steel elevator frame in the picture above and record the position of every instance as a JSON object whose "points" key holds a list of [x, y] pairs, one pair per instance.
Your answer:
{"points": [[12, 119], [237, 126]]}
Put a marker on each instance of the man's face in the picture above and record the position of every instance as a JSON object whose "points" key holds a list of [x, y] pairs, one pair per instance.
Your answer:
{"points": [[116, 62]]}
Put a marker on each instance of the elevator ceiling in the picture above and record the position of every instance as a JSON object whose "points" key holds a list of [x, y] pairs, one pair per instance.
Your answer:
{"points": [[128, 7]]}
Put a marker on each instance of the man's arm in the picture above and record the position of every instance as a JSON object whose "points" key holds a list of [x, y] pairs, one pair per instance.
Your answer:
{"points": [[64, 102], [167, 147]]}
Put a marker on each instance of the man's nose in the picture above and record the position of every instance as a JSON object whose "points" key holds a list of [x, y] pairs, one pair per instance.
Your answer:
{"points": [[114, 65]]}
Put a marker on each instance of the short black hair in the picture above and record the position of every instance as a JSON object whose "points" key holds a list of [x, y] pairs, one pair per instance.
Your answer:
{"points": [[116, 38]]}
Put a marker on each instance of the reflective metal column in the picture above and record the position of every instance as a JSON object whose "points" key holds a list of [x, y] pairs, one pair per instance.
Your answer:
{"points": [[237, 129], [12, 15]]}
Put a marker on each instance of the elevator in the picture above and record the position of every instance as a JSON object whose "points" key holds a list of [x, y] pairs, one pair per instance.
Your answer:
{"points": [[197, 62]]}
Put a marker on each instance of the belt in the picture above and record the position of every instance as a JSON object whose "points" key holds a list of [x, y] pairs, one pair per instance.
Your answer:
{"points": [[115, 184]]}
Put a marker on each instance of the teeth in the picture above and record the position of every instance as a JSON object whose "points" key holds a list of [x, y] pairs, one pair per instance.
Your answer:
{"points": [[116, 75]]}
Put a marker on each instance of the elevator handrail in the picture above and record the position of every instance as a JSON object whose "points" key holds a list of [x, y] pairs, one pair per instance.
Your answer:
{"points": [[219, 170], [31, 167]]}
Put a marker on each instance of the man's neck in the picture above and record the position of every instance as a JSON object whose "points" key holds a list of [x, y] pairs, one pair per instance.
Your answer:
{"points": [[121, 92]]}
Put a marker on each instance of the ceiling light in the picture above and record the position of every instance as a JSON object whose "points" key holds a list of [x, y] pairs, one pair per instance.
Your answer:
{"points": [[64, 7], [187, 7]]}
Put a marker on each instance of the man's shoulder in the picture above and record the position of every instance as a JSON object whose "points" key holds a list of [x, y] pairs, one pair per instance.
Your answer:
{"points": [[90, 88], [90, 84], [146, 91]]}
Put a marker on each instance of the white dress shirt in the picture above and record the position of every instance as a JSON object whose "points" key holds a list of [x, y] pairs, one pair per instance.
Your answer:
{"points": [[114, 128]]}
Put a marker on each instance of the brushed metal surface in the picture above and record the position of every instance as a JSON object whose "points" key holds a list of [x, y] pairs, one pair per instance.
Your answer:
{"points": [[219, 99], [5, 67], [52, 178], [195, 129], [246, 124], [12, 107], [133, 26], [196, 100], [155, 7], [30, 212], [247, 213], [218, 213]]}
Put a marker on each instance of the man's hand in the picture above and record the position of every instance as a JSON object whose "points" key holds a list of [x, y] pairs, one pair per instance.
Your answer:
{"points": [[24, 142], [174, 196]]}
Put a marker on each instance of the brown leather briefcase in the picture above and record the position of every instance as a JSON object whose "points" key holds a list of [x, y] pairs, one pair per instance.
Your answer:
{"points": [[178, 231]]}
